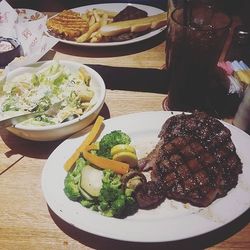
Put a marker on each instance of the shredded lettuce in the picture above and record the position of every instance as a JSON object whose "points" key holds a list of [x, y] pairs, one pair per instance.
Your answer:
{"points": [[38, 90]]}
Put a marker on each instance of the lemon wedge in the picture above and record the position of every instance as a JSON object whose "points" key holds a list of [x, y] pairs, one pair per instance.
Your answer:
{"points": [[122, 148], [127, 157]]}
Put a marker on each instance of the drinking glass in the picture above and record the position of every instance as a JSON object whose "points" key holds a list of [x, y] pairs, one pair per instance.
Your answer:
{"points": [[195, 40]]}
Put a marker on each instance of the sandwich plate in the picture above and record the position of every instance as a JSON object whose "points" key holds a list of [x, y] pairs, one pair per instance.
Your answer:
{"points": [[171, 220], [117, 7]]}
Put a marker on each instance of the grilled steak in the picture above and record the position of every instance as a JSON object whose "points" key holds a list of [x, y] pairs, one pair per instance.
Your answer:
{"points": [[129, 13], [195, 160]]}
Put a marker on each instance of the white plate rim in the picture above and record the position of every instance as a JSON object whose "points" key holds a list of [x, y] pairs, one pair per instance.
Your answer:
{"points": [[170, 229], [113, 6]]}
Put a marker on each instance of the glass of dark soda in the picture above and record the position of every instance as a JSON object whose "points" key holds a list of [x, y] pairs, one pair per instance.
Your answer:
{"points": [[195, 40]]}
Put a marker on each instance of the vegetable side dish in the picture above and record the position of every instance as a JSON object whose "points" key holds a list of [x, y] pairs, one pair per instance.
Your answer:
{"points": [[100, 177]]}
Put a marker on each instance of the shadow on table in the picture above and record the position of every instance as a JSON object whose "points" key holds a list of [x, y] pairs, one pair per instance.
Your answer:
{"points": [[35, 149], [198, 242], [134, 79], [110, 51]]}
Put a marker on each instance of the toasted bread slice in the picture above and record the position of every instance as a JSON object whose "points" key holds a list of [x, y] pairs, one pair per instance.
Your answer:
{"points": [[135, 25]]}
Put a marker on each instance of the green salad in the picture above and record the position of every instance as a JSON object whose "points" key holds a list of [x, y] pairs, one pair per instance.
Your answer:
{"points": [[37, 90]]}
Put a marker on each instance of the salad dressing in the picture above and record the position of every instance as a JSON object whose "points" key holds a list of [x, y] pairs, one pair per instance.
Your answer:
{"points": [[38, 90]]}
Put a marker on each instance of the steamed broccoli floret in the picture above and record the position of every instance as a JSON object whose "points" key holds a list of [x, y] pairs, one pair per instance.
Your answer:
{"points": [[112, 200], [72, 179], [71, 188], [80, 163], [110, 140], [87, 203], [118, 205]]}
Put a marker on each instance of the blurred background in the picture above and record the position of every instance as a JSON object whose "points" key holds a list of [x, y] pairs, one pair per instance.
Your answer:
{"points": [[233, 7], [55, 5]]}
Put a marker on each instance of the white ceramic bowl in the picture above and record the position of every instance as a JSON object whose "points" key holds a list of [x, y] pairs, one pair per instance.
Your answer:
{"points": [[62, 130]]}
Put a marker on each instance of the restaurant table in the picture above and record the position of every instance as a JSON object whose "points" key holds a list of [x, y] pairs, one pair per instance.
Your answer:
{"points": [[26, 222]]}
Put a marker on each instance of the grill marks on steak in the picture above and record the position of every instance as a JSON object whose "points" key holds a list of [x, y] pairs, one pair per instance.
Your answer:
{"points": [[195, 159], [190, 172]]}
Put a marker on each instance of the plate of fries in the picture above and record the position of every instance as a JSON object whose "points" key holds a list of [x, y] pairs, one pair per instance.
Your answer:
{"points": [[81, 26]]}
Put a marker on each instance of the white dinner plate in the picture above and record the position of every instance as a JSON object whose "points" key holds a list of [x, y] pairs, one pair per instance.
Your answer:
{"points": [[116, 7], [172, 220]]}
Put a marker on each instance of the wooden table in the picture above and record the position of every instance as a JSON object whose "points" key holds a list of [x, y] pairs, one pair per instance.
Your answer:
{"points": [[26, 222]]}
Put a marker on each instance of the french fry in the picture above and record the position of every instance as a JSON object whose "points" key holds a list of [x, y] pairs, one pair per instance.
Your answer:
{"points": [[91, 20], [97, 17], [85, 17], [109, 13], [99, 11], [94, 40], [94, 34], [89, 13], [104, 19], [97, 38], [84, 37]]}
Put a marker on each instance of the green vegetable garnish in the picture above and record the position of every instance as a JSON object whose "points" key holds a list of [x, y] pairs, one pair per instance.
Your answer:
{"points": [[110, 140], [103, 193], [113, 201], [72, 179]]}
